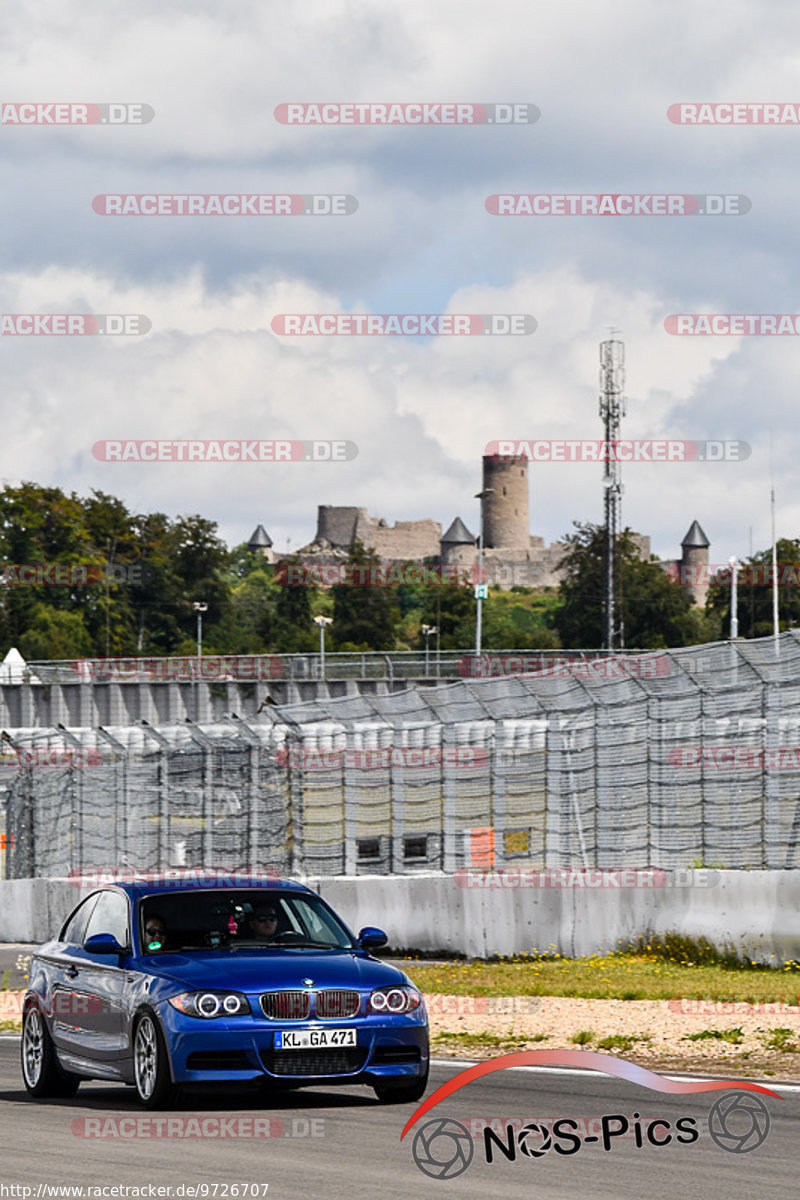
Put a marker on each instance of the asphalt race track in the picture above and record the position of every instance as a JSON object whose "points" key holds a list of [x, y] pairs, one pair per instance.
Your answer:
{"points": [[342, 1144]]}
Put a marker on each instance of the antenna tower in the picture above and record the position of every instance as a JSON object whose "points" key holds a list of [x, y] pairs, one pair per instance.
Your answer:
{"points": [[612, 410]]}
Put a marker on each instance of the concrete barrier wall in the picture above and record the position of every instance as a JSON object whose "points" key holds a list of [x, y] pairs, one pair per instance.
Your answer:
{"points": [[81, 705], [756, 912]]}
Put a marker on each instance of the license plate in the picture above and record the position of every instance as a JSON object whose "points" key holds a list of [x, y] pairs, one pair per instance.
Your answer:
{"points": [[318, 1039]]}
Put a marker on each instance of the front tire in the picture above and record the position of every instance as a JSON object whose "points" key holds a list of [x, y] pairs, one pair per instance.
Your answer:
{"points": [[401, 1093], [152, 1078], [42, 1073]]}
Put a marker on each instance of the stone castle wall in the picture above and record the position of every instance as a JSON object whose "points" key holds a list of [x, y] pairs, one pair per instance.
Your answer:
{"points": [[528, 563], [339, 526]]}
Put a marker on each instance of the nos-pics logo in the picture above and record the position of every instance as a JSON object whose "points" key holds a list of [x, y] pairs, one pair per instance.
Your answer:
{"points": [[444, 1148]]}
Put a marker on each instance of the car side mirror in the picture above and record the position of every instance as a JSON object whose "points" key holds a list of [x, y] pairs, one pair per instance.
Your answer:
{"points": [[371, 938], [103, 943]]}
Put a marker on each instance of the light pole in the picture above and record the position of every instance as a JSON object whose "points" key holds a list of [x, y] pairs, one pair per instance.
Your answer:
{"points": [[734, 565], [322, 622], [427, 630], [480, 587], [199, 607]]}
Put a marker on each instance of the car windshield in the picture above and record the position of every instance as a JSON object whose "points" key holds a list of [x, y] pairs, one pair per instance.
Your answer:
{"points": [[227, 919]]}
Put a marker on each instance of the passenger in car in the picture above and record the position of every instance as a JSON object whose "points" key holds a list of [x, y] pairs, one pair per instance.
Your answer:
{"points": [[155, 934]]}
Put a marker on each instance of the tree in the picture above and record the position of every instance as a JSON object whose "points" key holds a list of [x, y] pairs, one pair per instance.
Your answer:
{"points": [[450, 607], [653, 611], [754, 585], [54, 634], [364, 618], [286, 623]]}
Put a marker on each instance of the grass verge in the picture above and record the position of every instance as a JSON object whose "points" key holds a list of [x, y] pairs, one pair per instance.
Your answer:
{"points": [[669, 968]]}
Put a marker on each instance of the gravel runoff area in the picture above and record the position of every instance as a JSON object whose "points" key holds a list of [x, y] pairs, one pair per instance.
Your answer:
{"points": [[551, 1022]]}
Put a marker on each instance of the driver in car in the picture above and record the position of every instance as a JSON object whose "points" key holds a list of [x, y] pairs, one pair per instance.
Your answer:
{"points": [[264, 923]]}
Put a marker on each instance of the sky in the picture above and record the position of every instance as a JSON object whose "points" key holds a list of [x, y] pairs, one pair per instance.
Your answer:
{"points": [[421, 410]]}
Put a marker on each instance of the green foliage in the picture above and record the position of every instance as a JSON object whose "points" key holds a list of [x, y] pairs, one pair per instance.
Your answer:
{"points": [[653, 612], [734, 1036], [782, 1039], [688, 951], [623, 1042], [178, 562], [53, 633], [364, 618], [754, 590]]}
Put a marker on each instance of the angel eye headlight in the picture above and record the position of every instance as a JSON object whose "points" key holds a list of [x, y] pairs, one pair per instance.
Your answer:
{"points": [[211, 1004], [395, 1000], [208, 1004]]}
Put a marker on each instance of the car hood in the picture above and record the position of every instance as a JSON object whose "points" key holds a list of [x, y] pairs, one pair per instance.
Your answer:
{"points": [[253, 971]]}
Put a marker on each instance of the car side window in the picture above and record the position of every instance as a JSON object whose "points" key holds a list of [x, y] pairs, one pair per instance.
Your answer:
{"points": [[110, 916], [75, 926]]}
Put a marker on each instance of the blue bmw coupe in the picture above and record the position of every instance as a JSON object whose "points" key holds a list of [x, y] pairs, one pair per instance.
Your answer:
{"points": [[159, 986]]}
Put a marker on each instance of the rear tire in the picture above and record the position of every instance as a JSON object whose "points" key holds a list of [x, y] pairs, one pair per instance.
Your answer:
{"points": [[42, 1073], [402, 1093], [151, 1074]]}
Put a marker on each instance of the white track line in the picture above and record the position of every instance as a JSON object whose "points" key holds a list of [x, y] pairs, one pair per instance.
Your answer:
{"points": [[463, 1063]]}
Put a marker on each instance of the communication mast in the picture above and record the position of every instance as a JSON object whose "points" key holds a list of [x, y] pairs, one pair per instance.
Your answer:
{"points": [[612, 410]]}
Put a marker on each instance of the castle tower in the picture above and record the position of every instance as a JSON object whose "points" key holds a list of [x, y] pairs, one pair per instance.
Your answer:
{"points": [[458, 545], [694, 564], [261, 543], [506, 522]]}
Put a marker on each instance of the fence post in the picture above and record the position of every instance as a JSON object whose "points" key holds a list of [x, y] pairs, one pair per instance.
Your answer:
{"points": [[120, 752], [350, 799], [448, 805], [498, 788], [772, 786], [398, 809], [163, 773]]}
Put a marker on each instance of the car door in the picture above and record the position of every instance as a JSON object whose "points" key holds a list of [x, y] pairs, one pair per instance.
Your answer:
{"points": [[99, 983], [61, 995]]}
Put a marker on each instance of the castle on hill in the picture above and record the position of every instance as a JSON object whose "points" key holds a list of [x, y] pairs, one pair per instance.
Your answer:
{"points": [[512, 556]]}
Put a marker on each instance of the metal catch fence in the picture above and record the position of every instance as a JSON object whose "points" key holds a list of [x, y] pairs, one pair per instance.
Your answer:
{"points": [[680, 758]]}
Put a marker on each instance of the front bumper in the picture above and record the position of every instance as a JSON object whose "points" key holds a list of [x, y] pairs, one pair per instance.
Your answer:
{"points": [[241, 1049]]}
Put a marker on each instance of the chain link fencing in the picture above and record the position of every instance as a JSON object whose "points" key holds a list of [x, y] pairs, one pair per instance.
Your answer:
{"points": [[672, 759]]}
